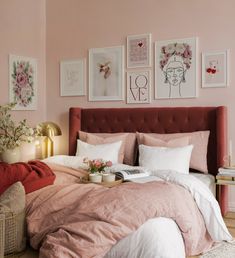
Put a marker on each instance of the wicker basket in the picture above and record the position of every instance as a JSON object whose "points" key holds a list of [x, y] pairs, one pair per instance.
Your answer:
{"points": [[2, 234], [11, 231]]}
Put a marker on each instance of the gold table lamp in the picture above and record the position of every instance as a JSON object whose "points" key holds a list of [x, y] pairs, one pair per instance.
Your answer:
{"points": [[49, 129]]}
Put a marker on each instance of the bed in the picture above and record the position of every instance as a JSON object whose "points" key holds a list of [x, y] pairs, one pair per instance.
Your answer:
{"points": [[162, 121], [141, 240]]}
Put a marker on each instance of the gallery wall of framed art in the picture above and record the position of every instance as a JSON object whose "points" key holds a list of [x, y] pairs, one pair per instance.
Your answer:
{"points": [[174, 72]]}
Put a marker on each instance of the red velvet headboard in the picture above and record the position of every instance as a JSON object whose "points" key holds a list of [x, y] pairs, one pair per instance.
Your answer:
{"points": [[155, 120]]}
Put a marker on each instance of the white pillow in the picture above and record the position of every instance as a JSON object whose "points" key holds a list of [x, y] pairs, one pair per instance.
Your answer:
{"points": [[164, 158], [106, 152]]}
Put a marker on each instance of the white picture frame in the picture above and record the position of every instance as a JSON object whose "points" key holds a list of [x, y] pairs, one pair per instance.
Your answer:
{"points": [[23, 82], [139, 50], [106, 74], [176, 64], [215, 69], [139, 87], [73, 77]]}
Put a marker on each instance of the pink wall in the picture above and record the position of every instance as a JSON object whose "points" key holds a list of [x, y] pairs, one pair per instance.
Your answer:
{"points": [[90, 24], [55, 30], [74, 26], [23, 31]]}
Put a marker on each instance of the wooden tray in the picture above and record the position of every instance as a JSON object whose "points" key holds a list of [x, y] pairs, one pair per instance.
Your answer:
{"points": [[106, 184]]}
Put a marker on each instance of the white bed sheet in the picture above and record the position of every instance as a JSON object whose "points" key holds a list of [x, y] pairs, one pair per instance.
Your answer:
{"points": [[161, 237], [156, 238], [207, 179]]}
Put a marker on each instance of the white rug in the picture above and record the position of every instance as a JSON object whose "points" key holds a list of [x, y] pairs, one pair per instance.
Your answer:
{"points": [[224, 250]]}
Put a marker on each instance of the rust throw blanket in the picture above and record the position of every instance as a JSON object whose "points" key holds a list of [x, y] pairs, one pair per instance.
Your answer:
{"points": [[33, 175], [86, 220]]}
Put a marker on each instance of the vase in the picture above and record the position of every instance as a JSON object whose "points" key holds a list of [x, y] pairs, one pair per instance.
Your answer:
{"points": [[95, 178], [11, 155]]}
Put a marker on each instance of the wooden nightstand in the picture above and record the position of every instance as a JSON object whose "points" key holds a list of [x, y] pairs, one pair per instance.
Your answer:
{"points": [[226, 176], [223, 179]]}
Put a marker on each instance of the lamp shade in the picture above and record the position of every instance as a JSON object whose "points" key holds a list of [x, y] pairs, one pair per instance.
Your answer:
{"points": [[50, 129]]}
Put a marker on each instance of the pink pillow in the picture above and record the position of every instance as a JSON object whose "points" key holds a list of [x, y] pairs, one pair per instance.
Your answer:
{"points": [[198, 139], [174, 143], [127, 152]]}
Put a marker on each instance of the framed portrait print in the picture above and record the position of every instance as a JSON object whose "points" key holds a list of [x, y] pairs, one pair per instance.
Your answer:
{"points": [[139, 51], [215, 69], [138, 86], [176, 69], [106, 73], [72, 77], [23, 82]]}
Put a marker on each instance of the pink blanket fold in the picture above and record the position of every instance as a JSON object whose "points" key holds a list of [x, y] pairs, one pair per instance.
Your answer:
{"points": [[87, 220]]}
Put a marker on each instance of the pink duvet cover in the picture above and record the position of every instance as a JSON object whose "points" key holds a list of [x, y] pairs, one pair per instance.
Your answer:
{"points": [[86, 220]]}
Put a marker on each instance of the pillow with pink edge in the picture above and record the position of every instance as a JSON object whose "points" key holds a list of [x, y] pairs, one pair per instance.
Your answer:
{"points": [[128, 147], [198, 139]]}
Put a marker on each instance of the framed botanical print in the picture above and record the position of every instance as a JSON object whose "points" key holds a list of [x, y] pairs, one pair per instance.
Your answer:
{"points": [[23, 82], [106, 73], [139, 51], [215, 69], [176, 68], [139, 86], [72, 77]]}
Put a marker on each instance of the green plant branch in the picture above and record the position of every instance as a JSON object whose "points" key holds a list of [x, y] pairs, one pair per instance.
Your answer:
{"points": [[11, 134]]}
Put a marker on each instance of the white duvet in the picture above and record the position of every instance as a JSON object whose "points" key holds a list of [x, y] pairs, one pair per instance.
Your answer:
{"points": [[161, 237]]}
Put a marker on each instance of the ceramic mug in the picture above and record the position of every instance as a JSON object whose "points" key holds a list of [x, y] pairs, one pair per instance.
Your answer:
{"points": [[95, 178], [109, 177]]}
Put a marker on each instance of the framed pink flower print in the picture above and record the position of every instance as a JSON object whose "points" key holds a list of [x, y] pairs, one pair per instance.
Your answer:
{"points": [[23, 82]]}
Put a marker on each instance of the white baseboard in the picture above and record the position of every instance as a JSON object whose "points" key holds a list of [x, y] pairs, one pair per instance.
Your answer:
{"points": [[231, 206]]}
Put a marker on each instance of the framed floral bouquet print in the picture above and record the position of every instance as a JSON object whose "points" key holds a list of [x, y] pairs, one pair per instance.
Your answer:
{"points": [[23, 82]]}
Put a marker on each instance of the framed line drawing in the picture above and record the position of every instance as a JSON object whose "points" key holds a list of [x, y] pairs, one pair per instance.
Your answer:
{"points": [[215, 69], [106, 73], [73, 77], [23, 82], [139, 86], [176, 68], [139, 51]]}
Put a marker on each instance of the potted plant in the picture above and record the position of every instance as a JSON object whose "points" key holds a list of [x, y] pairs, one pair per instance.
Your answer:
{"points": [[96, 168], [13, 134]]}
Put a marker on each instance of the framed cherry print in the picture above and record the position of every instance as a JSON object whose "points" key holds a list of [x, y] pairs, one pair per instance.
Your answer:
{"points": [[215, 69]]}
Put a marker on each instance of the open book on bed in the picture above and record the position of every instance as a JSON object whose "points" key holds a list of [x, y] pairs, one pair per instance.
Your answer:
{"points": [[135, 175]]}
